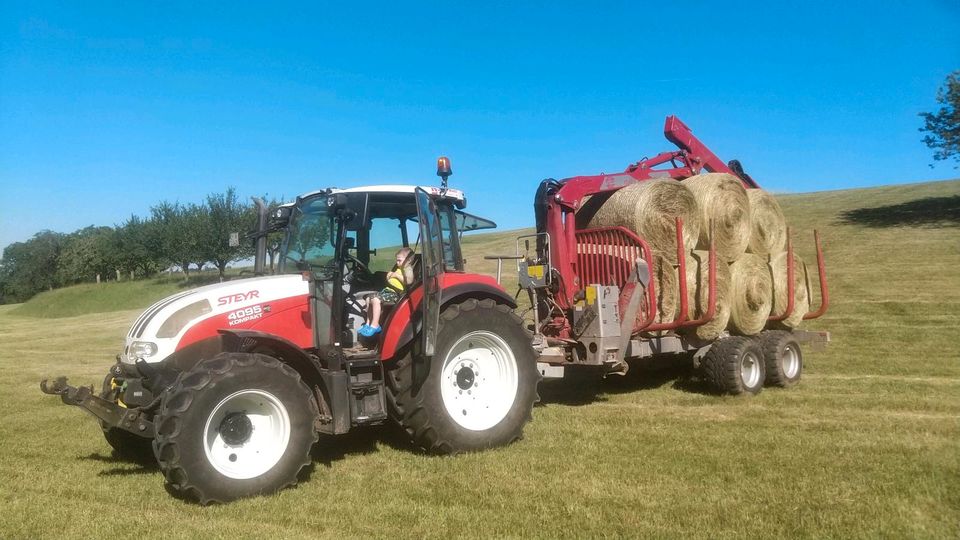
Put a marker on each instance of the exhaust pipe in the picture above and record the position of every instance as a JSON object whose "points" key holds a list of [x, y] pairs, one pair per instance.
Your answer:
{"points": [[260, 255]]}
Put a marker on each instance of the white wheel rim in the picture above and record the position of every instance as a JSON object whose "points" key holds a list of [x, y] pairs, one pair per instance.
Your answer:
{"points": [[479, 381], [263, 445], [750, 370], [791, 362]]}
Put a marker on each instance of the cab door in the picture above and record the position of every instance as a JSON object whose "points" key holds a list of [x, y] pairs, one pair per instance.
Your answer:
{"points": [[431, 240]]}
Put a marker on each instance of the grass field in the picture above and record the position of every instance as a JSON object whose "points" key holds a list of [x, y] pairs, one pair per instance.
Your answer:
{"points": [[868, 445]]}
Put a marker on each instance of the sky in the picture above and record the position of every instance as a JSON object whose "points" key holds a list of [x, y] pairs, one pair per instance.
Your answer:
{"points": [[107, 108]]}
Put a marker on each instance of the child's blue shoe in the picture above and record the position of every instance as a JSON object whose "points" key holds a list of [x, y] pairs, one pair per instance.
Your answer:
{"points": [[369, 331]]}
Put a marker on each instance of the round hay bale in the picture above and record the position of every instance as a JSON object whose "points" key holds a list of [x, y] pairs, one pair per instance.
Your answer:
{"points": [[649, 209], [698, 292], [801, 289], [751, 294], [768, 227], [668, 291], [723, 201]]}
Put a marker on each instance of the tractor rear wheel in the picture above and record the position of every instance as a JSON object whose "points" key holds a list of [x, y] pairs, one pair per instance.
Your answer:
{"points": [[234, 426], [481, 386], [782, 357], [734, 365]]}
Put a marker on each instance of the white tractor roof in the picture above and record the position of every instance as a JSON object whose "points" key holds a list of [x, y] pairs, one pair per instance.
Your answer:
{"points": [[395, 188]]}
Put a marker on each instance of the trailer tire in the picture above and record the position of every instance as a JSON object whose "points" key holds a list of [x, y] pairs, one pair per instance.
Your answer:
{"points": [[734, 365], [782, 358], [475, 337], [209, 445], [126, 445]]}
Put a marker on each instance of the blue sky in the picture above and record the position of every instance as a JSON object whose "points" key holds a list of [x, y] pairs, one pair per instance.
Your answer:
{"points": [[107, 108]]}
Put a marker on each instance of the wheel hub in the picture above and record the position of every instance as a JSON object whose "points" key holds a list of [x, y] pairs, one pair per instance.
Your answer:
{"points": [[465, 378], [236, 428]]}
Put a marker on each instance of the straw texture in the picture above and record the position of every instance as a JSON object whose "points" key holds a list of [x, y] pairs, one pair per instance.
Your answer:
{"points": [[698, 292], [722, 200], [768, 227], [801, 289], [751, 294], [649, 209]]}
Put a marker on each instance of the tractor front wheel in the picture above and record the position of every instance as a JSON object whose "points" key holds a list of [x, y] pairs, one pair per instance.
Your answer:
{"points": [[481, 385], [234, 426]]}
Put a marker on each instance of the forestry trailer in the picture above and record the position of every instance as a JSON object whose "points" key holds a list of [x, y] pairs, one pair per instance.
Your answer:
{"points": [[230, 385]]}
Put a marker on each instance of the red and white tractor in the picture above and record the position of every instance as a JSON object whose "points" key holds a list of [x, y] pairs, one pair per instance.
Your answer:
{"points": [[229, 385]]}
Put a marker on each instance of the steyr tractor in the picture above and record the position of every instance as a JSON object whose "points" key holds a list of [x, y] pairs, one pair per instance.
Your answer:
{"points": [[229, 386]]}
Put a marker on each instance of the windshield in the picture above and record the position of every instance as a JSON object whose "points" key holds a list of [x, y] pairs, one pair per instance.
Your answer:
{"points": [[308, 244]]}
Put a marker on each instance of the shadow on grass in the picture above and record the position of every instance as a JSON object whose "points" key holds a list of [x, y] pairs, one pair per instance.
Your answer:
{"points": [[584, 385], [142, 464], [926, 212]]}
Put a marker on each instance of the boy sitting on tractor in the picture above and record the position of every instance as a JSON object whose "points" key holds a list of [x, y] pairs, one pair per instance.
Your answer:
{"points": [[397, 281]]}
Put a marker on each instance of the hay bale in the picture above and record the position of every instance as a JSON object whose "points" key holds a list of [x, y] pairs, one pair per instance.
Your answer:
{"points": [[801, 289], [723, 201], [649, 209], [668, 289], [751, 294], [768, 227], [698, 292]]}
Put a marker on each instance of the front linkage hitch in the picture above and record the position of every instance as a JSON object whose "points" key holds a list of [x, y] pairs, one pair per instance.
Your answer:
{"points": [[111, 414]]}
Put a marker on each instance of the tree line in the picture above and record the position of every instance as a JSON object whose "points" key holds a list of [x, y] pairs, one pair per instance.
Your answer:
{"points": [[187, 236]]}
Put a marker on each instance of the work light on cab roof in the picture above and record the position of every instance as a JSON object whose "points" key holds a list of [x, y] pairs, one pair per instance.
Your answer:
{"points": [[443, 170]]}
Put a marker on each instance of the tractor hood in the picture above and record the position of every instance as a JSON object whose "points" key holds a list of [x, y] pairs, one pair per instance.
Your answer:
{"points": [[190, 316]]}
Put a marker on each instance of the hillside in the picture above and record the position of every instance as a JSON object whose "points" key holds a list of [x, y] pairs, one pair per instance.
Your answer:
{"points": [[868, 445]]}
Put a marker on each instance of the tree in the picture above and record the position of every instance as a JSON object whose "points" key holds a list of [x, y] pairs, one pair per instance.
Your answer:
{"points": [[86, 254], [943, 127], [182, 230], [226, 214], [30, 267], [139, 246]]}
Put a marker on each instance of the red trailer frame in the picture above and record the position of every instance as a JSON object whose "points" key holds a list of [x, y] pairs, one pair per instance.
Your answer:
{"points": [[690, 159]]}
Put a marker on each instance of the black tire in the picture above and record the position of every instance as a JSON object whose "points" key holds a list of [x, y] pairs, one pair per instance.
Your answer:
{"points": [[782, 358], [126, 446], [207, 393], [422, 412], [734, 365]]}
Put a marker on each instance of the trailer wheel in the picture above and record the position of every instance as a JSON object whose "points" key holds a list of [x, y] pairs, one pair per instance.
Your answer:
{"points": [[734, 365], [782, 357], [481, 386], [234, 426], [126, 445]]}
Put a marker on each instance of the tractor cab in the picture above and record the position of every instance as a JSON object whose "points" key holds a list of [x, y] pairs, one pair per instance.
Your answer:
{"points": [[345, 242]]}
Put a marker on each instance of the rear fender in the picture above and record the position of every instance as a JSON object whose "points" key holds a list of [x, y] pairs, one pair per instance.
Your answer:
{"points": [[403, 321]]}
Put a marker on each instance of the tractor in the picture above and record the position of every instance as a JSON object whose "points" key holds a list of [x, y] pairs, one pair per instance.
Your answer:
{"points": [[229, 386]]}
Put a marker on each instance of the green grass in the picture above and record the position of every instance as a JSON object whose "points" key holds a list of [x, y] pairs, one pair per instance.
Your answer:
{"points": [[109, 296], [868, 445]]}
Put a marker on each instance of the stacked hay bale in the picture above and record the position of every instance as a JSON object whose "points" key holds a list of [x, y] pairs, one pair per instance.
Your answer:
{"points": [[749, 233], [768, 239], [650, 209], [698, 293]]}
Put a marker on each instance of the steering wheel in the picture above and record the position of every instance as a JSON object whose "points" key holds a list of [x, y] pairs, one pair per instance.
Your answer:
{"points": [[356, 271], [357, 265]]}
